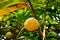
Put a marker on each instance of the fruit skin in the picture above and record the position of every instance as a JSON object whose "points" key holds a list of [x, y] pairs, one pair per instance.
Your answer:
{"points": [[9, 35], [31, 24]]}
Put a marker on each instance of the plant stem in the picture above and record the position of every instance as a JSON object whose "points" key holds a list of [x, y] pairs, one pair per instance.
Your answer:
{"points": [[45, 20], [44, 26], [39, 29], [19, 33], [32, 9]]}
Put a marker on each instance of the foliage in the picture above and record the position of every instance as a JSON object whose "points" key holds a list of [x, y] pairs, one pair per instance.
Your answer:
{"points": [[17, 18]]}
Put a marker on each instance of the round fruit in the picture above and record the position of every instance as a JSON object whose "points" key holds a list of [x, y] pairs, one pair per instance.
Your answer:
{"points": [[9, 35], [31, 24]]}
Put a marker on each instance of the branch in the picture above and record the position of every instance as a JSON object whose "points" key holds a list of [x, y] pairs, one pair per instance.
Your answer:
{"points": [[5, 28], [19, 33], [39, 29], [32, 9], [45, 20]]}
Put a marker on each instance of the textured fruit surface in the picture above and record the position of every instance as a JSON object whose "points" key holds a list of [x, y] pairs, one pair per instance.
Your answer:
{"points": [[9, 35], [31, 24]]}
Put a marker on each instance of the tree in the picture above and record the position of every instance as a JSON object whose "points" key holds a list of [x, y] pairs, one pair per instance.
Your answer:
{"points": [[47, 12]]}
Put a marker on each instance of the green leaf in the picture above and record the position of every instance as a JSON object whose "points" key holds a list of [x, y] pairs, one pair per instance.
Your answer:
{"points": [[35, 39]]}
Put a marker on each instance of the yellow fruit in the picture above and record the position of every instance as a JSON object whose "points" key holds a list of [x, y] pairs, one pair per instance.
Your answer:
{"points": [[9, 35], [31, 24]]}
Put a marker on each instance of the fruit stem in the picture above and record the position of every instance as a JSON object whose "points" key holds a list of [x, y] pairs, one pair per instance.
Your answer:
{"points": [[39, 29], [34, 12]]}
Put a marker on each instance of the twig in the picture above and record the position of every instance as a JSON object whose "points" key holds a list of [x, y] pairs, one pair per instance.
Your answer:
{"points": [[44, 26], [45, 20], [24, 11], [32, 9], [19, 33], [39, 29], [5, 28]]}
